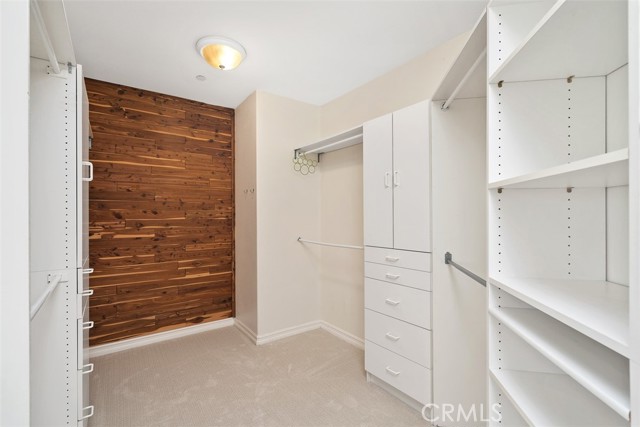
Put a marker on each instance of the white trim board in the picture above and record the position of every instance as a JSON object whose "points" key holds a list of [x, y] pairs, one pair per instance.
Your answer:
{"points": [[287, 332], [342, 334], [310, 326], [248, 332], [104, 349]]}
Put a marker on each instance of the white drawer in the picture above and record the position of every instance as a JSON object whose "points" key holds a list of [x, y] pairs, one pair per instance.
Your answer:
{"points": [[408, 377], [402, 276], [397, 258], [404, 303], [405, 339]]}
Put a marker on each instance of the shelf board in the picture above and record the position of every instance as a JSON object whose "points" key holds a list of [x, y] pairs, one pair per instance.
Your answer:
{"points": [[597, 309], [545, 399], [581, 38], [604, 170], [476, 85], [598, 369], [333, 143]]}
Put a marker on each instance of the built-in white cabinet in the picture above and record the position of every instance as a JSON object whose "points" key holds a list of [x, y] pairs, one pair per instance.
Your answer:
{"points": [[397, 212], [396, 163], [59, 175], [559, 156]]}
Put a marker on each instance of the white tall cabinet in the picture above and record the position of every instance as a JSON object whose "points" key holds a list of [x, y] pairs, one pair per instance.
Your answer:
{"points": [[59, 175], [397, 237], [559, 158], [396, 156]]}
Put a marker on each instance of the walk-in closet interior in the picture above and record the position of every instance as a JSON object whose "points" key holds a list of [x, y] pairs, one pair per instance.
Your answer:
{"points": [[218, 213]]}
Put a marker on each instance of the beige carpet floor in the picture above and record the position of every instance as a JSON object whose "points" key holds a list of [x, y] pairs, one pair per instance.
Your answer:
{"points": [[219, 378]]}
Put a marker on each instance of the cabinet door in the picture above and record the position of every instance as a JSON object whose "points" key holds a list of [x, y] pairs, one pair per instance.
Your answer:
{"points": [[411, 179], [378, 194]]}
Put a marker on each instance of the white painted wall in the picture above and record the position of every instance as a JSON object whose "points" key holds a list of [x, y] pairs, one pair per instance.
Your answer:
{"points": [[342, 270], [296, 283], [14, 208], [246, 281], [288, 205], [408, 84], [342, 275]]}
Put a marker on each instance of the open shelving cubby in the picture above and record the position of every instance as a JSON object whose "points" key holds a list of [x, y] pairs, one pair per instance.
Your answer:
{"points": [[558, 181], [603, 372]]}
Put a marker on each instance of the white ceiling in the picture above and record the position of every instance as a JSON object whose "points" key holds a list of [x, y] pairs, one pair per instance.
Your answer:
{"points": [[312, 51]]}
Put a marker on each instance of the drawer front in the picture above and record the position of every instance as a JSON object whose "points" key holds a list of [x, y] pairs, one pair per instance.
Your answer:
{"points": [[401, 302], [402, 338], [402, 276], [408, 377], [404, 259]]}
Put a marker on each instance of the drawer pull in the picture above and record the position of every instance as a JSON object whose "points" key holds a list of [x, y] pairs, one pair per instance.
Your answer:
{"points": [[391, 302], [87, 369], [392, 276], [392, 372], [392, 337], [392, 258]]}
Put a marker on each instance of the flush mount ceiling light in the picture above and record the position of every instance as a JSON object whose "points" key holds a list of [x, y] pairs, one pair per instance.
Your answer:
{"points": [[221, 52]]}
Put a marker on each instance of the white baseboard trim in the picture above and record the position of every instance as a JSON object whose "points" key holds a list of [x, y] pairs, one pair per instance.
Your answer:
{"points": [[104, 349], [295, 330], [342, 334], [246, 331], [287, 332]]}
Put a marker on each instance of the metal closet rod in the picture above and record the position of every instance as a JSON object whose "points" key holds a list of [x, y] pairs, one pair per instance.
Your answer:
{"points": [[54, 281], [448, 259], [334, 245]]}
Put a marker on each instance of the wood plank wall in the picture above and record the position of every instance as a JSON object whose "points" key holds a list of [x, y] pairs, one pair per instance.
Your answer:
{"points": [[161, 212]]}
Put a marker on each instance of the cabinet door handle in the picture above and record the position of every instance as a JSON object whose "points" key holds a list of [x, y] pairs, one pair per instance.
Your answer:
{"points": [[392, 276], [391, 259], [90, 177], [396, 182], [391, 302], [392, 337], [88, 325], [387, 175], [392, 372], [89, 415], [87, 369]]}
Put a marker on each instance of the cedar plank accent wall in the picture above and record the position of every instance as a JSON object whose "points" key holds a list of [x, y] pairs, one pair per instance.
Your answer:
{"points": [[161, 212]]}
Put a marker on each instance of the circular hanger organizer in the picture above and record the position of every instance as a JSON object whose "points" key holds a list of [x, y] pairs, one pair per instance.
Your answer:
{"points": [[304, 165]]}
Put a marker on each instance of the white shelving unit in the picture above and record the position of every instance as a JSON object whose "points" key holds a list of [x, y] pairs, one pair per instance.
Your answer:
{"points": [[559, 166], [604, 170], [544, 399], [580, 357], [564, 43], [598, 309]]}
